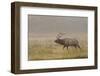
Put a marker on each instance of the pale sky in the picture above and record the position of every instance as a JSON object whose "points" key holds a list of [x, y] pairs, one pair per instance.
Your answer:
{"points": [[55, 24]]}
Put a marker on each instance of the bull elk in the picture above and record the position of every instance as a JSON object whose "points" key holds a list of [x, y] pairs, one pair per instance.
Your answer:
{"points": [[66, 42]]}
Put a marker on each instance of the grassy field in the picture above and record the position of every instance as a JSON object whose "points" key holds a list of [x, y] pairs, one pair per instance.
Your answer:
{"points": [[47, 49]]}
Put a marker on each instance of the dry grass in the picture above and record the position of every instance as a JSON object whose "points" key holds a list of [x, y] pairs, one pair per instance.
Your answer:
{"points": [[47, 49]]}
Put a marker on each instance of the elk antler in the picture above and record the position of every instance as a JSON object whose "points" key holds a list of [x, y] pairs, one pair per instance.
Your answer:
{"points": [[59, 35]]}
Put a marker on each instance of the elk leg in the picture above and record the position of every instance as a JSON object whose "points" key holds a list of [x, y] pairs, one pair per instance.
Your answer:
{"points": [[67, 47], [79, 46], [75, 47], [63, 46]]}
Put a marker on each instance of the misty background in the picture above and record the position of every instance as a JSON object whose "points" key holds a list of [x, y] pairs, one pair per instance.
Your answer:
{"points": [[46, 24]]}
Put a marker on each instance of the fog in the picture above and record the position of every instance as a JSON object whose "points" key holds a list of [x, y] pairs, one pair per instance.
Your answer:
{"points": [[39, 24]]}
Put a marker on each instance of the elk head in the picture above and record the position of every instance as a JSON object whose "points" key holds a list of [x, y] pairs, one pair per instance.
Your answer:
{"points": [[59, 40]]}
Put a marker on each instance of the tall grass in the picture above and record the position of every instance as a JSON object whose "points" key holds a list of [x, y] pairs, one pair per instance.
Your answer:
{"points": [[47, 49]]}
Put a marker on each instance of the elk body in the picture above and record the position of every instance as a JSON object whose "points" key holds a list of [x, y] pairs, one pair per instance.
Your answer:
{"points": [[66, 42]]}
